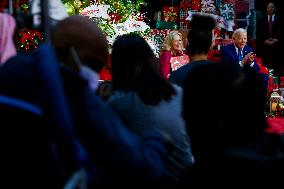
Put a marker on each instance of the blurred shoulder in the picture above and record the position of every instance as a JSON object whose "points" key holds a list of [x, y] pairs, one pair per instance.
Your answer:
{"points": [[22, 62], [178, 89]]}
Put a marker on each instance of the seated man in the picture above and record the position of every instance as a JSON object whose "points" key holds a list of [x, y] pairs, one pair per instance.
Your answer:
{"points": [[238, 52]]}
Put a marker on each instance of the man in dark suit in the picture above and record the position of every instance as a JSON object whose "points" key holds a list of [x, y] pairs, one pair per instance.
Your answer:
{"points": [[238, 52], [268, 36]]}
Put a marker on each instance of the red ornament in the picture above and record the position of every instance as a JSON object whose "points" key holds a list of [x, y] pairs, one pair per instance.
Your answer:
{"points": [[185, 5], [28, 39], [196, 5], [114, 17]]}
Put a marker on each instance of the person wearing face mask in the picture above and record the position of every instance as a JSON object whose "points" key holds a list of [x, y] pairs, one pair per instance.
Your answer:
{"points": [[172, 47], [85, 55], [238, 52], [114, 154]]}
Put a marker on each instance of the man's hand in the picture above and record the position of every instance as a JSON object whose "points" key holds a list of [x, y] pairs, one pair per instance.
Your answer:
{"points": [[249, 58]]}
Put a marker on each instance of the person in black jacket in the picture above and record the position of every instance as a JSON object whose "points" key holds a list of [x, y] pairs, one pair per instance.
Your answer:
{"points": [[269, 39]]}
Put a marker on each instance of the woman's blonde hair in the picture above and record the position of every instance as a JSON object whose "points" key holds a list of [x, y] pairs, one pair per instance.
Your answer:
{"points": [[167, 45]]}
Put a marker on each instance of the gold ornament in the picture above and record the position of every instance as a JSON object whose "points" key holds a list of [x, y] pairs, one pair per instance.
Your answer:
{"points": [[85, 3], [69, 8], [77, 4], [281, 106]]}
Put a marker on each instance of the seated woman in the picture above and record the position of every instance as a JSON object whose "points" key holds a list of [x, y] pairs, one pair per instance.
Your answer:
{"points": [[172, 47]]}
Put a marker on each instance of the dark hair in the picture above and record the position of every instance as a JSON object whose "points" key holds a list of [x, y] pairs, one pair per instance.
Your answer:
{"points": [[135, 68], [200, 34], [222, 102]]}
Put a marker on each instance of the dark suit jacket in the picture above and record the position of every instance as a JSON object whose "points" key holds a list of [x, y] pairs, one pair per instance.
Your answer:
{"points": [[262, 32], [230, 56], [269, 54]]}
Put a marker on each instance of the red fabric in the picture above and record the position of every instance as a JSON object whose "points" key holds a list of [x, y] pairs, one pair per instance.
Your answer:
{"points": [[185, 5], [3, 4], [281, 82], [105, 73], [263, 69], [214, 56], [242, 6], [275, 125], [270, 24], [165, 65]]}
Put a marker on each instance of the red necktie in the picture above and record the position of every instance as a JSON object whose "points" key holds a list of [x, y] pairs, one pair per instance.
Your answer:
{"points": [[270, 24]]}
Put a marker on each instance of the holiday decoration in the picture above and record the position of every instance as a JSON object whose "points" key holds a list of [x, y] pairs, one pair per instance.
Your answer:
{"points": [[195, 5], [98, 11], [22, 5], [158, 36], [170, 14], [169, 18], [227, 12], [274, 101], [114, 17], [183, 23], [69, 8], [251, 24], [178, 61], [74, 6], [184, 7], [27, 39], [208, 6], [218, 3]]}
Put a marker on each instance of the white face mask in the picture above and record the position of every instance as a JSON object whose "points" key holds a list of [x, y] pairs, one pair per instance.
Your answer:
{"points": [[86, 72], [91, 76]]}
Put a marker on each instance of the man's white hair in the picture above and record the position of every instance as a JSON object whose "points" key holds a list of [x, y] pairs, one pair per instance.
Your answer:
{"points": [[237, 31]]}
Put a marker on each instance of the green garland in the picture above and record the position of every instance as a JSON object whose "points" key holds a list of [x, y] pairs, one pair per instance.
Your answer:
{"points": [[124, 9]]}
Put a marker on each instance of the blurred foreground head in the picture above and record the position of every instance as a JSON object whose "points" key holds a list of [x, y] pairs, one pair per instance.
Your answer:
{"points": [[226, 103], [200, 35], [7, 28], [85, 38]]}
